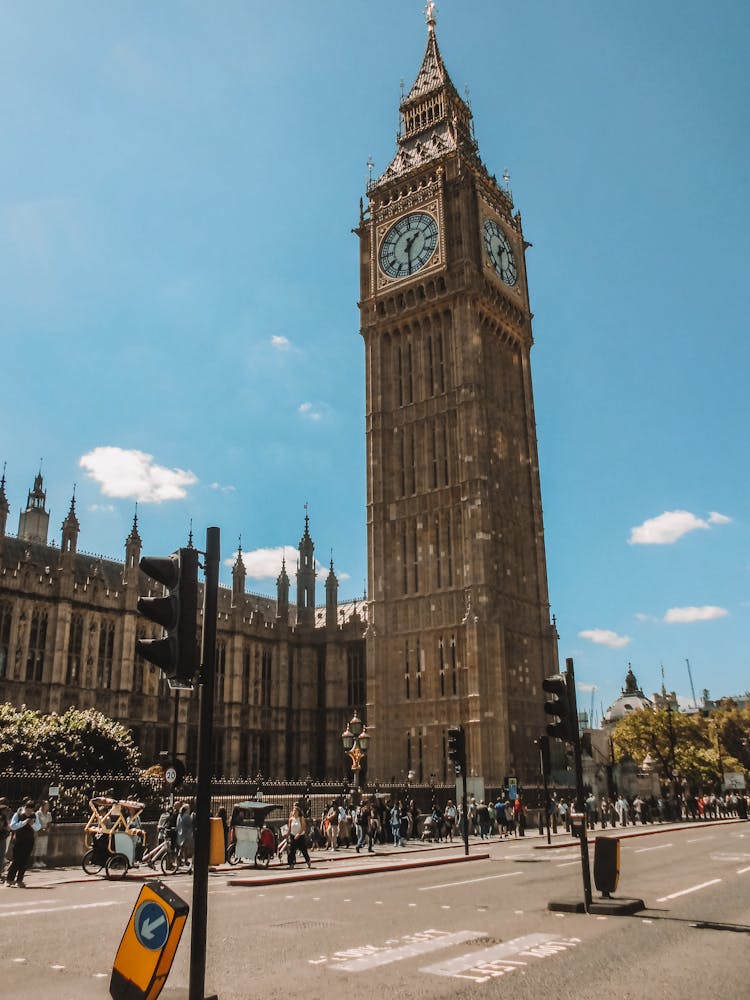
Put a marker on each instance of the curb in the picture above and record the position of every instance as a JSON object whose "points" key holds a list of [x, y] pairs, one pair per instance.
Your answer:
{"points": [[621, 834], [312, 875]]}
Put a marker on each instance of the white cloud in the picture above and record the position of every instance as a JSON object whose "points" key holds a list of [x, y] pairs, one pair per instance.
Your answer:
{"points": [[670, 526], [604, 637], [586, 688], [223, 489], [134, 474], [310, 412], [685, 615], [265, 564], [644, 617], [715, 518], [101, 508], [280, 343]]}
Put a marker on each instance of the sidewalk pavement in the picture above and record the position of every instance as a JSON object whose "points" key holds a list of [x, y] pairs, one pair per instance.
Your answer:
{"points": [[346, 862]]}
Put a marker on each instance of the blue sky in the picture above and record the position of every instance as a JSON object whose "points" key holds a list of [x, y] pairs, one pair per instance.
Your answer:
{"points": [[178, 281]]}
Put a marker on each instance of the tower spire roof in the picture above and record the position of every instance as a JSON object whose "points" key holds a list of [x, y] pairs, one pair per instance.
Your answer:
{"points": [[435, 120], [134, 536], [432, 74], [4, 505]]}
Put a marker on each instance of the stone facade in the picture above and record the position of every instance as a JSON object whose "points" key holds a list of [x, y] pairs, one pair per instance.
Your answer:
{"points": [[68, 625], [460, 630]]}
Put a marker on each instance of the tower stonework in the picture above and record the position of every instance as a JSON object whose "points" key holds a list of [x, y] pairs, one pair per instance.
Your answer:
{"points": [[459, 624]]}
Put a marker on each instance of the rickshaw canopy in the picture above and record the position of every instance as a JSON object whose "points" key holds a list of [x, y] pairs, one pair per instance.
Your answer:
{"points": [[258, 810]]}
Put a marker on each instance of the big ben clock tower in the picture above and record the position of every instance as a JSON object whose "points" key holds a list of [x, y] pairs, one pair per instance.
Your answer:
{"points": [[459, 624]]}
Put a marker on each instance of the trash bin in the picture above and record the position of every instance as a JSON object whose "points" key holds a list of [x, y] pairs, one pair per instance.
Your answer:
{"points": [[606, 864]]}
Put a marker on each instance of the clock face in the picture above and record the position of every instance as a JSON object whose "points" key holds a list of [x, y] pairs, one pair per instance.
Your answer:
{"points": [[408, 245], [499, 252]]}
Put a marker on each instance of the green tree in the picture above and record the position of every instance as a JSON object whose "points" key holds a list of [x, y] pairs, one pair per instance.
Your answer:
{"points": [[675, 741], [81, 741]]}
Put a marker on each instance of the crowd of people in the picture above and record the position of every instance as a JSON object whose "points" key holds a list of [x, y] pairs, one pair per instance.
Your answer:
{"points": [[24, 832], [621, 811]]}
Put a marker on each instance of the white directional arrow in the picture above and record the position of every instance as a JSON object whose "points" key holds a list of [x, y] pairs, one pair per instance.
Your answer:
{"points": [[149, 926]]}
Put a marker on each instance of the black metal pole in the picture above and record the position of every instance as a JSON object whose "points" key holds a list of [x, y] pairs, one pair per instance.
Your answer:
{"points": [[580, 800], [205, 743], [465, 812], [546, 786], [175, 722]]}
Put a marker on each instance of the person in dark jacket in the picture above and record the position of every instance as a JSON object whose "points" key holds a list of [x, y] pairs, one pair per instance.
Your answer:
{"points": [[23, 826]]}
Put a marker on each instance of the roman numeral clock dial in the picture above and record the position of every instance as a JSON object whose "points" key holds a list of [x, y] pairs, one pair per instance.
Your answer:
{"points": [[499, 252], [408, 245]]}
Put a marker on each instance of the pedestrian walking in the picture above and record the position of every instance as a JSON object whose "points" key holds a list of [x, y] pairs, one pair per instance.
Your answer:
{"points": [[297, 836], [41, 842], [23, 826], [185, 834], [396, 824], [4, 834]]}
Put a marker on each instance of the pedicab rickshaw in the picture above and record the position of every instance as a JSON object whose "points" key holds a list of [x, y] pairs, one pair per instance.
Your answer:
{"points": [[113, 836], [252, 839]]}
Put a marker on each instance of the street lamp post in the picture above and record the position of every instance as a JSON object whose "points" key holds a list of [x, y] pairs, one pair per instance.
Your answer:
{"points": [[355, 741]]}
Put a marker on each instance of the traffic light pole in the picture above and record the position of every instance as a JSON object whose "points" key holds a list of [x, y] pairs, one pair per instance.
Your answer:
{"points": [[205, 744], [543, 766], [464, 811], [580, 798]]}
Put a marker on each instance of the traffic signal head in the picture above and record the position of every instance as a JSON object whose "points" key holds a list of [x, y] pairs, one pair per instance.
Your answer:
{"points": [[559, 707], [176, 652], [457, 747]]}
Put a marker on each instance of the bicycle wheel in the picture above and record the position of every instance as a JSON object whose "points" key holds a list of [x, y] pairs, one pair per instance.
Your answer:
{"points": [[232, 856], [90, 864], [170, 862], [117, 867]]}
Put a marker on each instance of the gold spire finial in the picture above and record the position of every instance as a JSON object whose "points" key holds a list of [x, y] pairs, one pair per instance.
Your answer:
{"points": [[430, 15]]}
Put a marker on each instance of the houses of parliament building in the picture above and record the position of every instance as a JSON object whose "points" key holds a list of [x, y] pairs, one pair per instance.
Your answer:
{"points": [[456, 626]]}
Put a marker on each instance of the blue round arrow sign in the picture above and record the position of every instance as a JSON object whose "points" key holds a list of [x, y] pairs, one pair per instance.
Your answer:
{"points": [[151, 925]]}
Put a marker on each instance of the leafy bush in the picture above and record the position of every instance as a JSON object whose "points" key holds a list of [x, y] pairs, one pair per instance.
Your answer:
{"points": [[81, 741]]}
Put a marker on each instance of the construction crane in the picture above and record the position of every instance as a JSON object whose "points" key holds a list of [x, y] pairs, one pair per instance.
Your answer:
{"points": [[690, 675]]}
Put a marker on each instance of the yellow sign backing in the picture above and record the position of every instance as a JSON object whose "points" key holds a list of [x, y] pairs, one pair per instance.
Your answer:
{"points": [[149, 943]]}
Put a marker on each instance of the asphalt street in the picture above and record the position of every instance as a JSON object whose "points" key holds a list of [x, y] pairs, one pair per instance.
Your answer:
{"points": [[476, 928]]}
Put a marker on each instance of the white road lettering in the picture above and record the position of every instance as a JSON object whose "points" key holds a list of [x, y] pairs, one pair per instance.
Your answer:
{"points": [[415, 945], [492, 963], [684, 892]]}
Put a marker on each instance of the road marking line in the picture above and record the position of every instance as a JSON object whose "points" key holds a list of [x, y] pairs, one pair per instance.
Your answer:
{"points": [[32, 902], [60, 909], [642, 850], [698, 840], [684, 892], [468, 881], [742, 871], [569, 863], [420, 947], [496, 961]]}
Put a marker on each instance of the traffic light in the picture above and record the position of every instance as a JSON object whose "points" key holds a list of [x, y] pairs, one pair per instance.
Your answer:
{"points": [[176, 652], [560, 708], [457, 748]]}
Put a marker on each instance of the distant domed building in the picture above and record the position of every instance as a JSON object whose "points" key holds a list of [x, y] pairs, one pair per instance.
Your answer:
{"points": [[632, 699]]}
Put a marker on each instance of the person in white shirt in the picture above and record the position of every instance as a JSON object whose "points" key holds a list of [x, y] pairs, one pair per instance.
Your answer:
{"points": [[39, 857], [297, 836]]}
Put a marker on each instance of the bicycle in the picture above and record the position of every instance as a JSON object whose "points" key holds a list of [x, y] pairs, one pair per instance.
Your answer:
{"points": [[168, 858]]}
